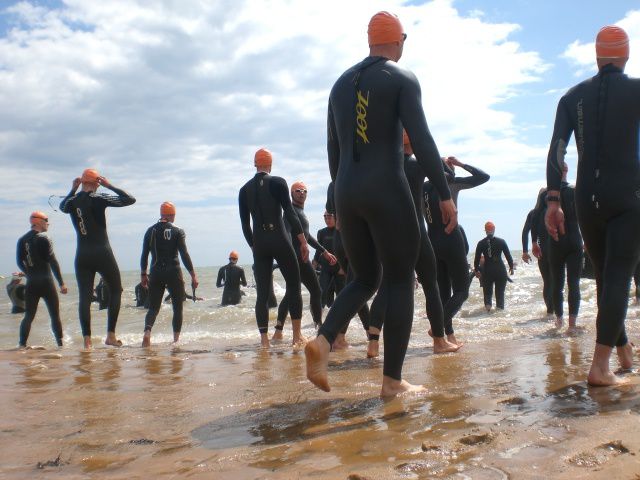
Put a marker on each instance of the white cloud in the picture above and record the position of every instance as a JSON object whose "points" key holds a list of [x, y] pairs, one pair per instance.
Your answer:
{"points": [[171, 99]]}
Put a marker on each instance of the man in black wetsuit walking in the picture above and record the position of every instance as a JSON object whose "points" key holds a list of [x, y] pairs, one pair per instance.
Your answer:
{"points": [[492, 248], [93, 253], [165, 241], [36, 259], [332, 277], [603, 113], [368, 106], [307, 273], [231, 276], [262, 201]]}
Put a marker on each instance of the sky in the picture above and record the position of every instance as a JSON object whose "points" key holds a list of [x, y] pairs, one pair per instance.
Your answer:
{"points": [[170, 99]]}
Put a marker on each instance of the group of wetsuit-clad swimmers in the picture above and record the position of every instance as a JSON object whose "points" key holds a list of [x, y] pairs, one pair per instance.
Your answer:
{"points": [[377, 239]]}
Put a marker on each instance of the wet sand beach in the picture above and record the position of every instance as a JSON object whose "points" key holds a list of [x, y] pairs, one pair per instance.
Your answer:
{"points": [[512, 403]]}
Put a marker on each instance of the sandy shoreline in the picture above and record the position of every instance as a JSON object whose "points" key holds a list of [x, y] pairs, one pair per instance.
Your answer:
{"points": [[524, 412]]}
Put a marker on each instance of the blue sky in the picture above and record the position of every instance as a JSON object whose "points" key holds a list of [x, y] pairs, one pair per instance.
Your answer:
{"points": [[169, 100]]}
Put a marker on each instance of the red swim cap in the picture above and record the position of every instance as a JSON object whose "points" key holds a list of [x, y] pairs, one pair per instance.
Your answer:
{"points": [[384, 27], [90, 176], [405, 138], [612, 42], [167, 208], [298, 185], [37, 215], [489, 226], [263, 158]]}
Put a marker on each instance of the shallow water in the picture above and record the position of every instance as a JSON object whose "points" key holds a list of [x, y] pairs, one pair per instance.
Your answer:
{"points": [[511, 404]]}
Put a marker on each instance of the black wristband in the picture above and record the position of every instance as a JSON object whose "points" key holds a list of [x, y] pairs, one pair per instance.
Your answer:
{"points": [[553, 198]]}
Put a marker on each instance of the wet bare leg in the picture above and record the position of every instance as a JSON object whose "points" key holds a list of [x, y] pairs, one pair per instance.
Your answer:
{"points": [[298, 339], [600, 375], [264, 340], [316, 354], [112, 340], [340, 342], [373, 348], [277, 336], [559, 322], [625, 356], [392, 387], [443, 345], [146, 339], [87, 342], [572, 328], [487, 308]]}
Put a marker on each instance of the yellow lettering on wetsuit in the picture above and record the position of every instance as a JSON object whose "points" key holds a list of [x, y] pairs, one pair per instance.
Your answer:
{"points": [[361, 119]]}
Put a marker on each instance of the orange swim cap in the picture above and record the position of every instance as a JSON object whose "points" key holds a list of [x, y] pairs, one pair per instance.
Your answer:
{"points": [[90, 176], [405, 138], [167, 208], [298, 185], [37, 215], [233, 255], [612, 42], [263, 158], [489, 226], [384, 27]]}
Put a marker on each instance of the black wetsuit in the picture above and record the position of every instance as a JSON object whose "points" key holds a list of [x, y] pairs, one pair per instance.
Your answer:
{"points": [[307, 273], [426, 267], [368, 107], [102, 294], [566, 252], [165, 241], [262, 201], [604, 114], [451, 258], [331, 281], [142, 296], [16, 292], [543, 263], [494, 273], [231, 276], [93, 253], [477, 178], [338, 250], [36, 259]]}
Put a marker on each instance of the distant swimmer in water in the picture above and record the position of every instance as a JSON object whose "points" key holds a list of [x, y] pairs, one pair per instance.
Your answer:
{"points": [[565, 254], [93, 253], [165, 241], [35, 257], [231, 276], [368, 106], [262, 201], [307, 273], [425, 268], [16, 292], [494, 273], [603, 113]]}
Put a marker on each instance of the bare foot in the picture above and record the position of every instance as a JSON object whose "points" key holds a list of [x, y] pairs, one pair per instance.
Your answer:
{"points": [[559, 322], [599, 377], [373, 349], [146, 339], [452, 339], [571, 330], [625, 356], [316, 353], [442, 345], [87, 343], [392, 387], [340, 344], [487, 308], [176, 337], [112, 340], [299, 341], [277, 336], [430, 333]]}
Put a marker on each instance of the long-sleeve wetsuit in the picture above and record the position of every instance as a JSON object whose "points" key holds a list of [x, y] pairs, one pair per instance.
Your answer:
{"points": [[308, 275], [35, 257], [368, 107], [604, 114], [477, 178], [93, 253], [262, 200], [231, 276], [331, 281], [165, 241], [543, 264], [494, 273]]}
